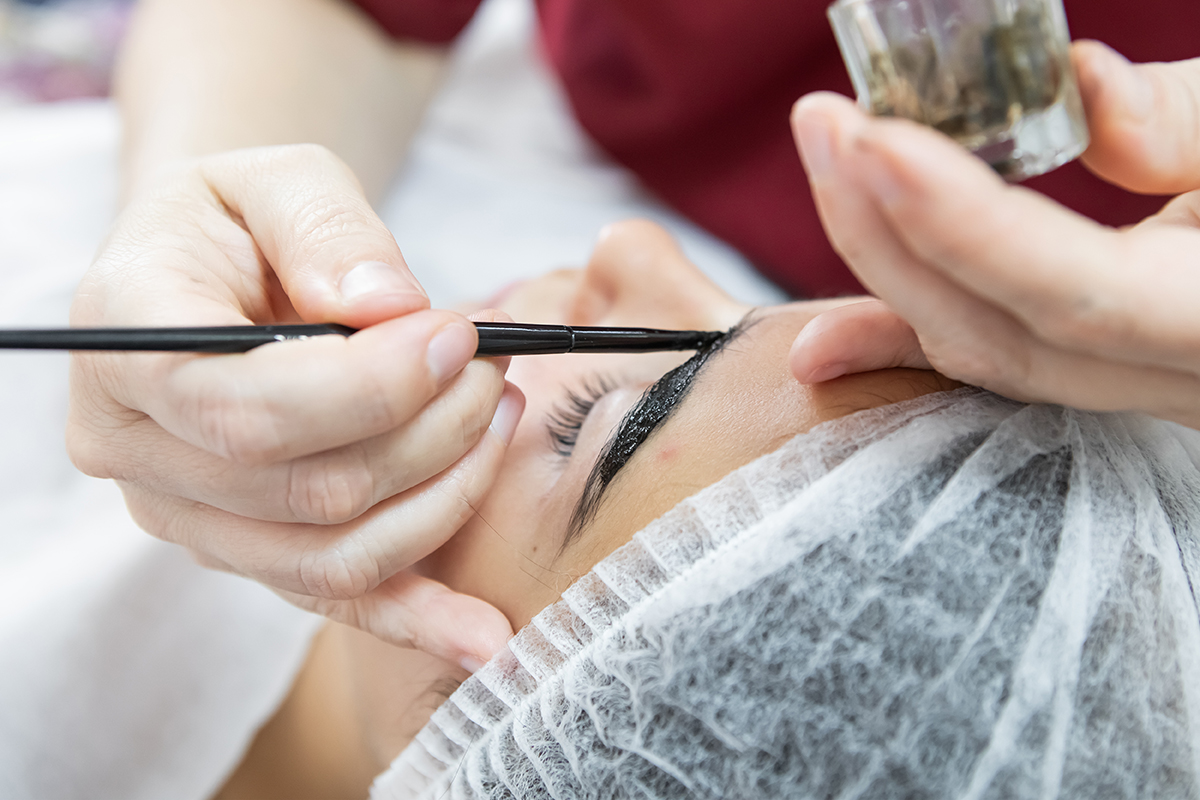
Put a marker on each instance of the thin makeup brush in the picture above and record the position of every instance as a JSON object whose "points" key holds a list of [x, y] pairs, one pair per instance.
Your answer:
{"points": [[495, 338]]}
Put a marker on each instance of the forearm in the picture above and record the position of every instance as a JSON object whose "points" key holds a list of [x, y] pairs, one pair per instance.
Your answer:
{"points": [[205, 77]]}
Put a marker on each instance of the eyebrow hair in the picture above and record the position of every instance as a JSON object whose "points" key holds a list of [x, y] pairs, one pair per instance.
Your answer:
{"points": [[654, 408]]}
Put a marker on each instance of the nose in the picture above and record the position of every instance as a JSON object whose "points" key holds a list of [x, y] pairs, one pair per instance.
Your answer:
{"points": [[637, 275]]}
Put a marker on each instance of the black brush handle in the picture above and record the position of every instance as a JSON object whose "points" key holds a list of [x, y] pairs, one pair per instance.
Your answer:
{"points": [[232, 339], [495, 338]]}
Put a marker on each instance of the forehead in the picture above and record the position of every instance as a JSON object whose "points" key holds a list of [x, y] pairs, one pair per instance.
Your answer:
{"points": [[541, 374], [742, 406]]}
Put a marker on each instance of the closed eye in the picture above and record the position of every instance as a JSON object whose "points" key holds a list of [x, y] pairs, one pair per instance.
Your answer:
{"points": [[566, 418], [655, 407]]}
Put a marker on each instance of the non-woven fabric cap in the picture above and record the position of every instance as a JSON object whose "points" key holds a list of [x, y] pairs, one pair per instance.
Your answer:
{"points": [[958, 596]]}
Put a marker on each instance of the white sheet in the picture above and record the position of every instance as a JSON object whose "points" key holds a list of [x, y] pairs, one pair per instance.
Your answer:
{"points": [[126, 671]]}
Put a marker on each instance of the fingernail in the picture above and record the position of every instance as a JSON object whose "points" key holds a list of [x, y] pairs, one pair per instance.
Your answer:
{"points": [[814, 131], [374, 278], [471, 664], [508, 414], [827, 372], [449, 351]]}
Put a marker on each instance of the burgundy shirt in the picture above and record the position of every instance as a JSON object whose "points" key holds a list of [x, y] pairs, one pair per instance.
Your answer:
{"points": [[694, 97]]}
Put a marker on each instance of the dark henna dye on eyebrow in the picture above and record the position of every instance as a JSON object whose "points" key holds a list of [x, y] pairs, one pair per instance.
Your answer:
{"points": [[656, 405]]}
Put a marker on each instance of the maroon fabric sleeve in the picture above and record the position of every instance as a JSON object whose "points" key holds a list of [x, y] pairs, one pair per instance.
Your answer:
{"points": [[694, 96], [433, 21]]}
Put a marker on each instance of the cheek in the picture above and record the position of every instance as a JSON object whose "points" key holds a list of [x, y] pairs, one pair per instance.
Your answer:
{"points": [[502, 555], [495, 559]]}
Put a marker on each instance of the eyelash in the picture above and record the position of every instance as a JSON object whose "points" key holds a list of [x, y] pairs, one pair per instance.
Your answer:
{"points": [[565, 419]]}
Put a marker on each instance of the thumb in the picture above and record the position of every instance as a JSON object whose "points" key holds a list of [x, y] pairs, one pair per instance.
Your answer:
{"points": [[305, 210], [1144, 120], [855, 338]]}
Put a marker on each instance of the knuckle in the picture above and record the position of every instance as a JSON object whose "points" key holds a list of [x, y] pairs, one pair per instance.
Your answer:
{"points": [[87, 452], [460, 497], [1102, 312], [343, 572], [458, 494], [301, 155], [484, 400], [462, 426], [1084, 321], [274, 160], [100, 435], [448, 428], [852, 249], [327, 493], [208, 561], [323, 219], [150, 512], [475, 399], [234, 424], [380, 406], [972, 363], [463, 422]]}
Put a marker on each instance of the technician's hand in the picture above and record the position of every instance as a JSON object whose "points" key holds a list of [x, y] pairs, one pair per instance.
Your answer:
{"points": [[998, 286], [321, 468]]}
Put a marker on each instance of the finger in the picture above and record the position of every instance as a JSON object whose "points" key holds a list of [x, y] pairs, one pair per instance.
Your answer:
{"points": [[208, 562], [855, 338], [976, 340], [1088, 382], [962, 336], [416, 612], [1181, 212], [493, 315], [291, 399], [325, 488], [307, 213], [1143, 119], [1074, 284], [334, 561]]}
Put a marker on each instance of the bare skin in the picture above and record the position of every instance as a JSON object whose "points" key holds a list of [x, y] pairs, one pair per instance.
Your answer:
{"points": [[996, 285], [257, 132], [511, 554], [196, 79]]}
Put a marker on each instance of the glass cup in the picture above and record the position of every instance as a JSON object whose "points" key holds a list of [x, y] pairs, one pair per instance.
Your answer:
{"points": [[994, 75]]}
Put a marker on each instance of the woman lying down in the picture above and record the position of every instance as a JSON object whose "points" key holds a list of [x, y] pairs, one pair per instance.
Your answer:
{"points": [[884, 586]]}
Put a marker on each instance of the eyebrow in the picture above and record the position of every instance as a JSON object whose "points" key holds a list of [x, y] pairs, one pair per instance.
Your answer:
{"points": [[654, 408]]}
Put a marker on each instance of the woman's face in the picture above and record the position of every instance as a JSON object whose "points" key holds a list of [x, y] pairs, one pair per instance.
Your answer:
{"points": [[521, 549], [529, 541]]}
